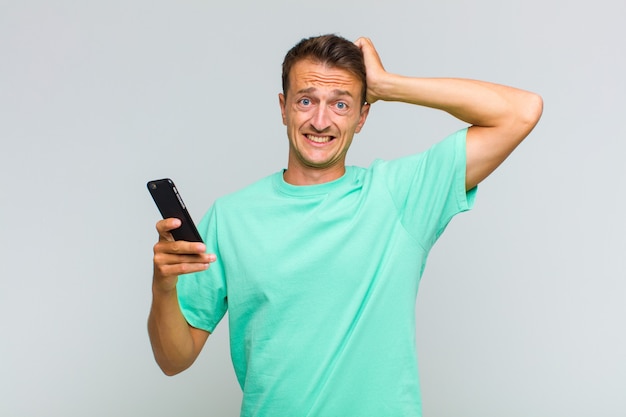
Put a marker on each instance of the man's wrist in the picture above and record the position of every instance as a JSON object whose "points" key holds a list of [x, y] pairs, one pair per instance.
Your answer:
{"points": [[164, 287]]}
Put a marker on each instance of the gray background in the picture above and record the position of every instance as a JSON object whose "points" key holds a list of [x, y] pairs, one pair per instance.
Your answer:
{"points": [[521, 310]]}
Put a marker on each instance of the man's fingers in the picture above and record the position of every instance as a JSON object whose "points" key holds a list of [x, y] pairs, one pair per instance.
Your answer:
{"points": [[176, 258], [174, 270], [185, 263], [165, 226], [367, 47], [362, 41], [169, 257], [375, 71], [180, 247]]}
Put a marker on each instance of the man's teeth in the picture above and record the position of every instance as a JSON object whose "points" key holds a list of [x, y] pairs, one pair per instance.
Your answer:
{"points": [[319, 139]]}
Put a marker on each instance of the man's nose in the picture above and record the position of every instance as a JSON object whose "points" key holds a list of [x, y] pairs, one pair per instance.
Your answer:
{"points": [[321, 118]]}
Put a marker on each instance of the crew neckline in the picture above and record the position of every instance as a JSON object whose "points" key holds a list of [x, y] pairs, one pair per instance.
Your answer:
{"points": [[311, 190]]}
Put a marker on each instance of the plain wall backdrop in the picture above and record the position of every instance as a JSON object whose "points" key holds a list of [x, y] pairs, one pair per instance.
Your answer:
{"points": [[522, 307]]}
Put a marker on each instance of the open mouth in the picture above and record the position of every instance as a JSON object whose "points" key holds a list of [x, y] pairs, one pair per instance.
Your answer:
{"points": [[319, 139]]}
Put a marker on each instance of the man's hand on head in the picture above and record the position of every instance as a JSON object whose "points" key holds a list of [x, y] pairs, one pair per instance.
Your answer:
{"points": [[375, 72]]}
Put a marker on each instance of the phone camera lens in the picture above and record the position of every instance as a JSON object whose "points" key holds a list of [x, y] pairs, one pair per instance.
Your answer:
{"points": [[153, 186]]}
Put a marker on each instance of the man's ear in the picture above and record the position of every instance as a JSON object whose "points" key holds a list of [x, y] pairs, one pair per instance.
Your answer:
{"points": [[281, 100], [365, 109]]}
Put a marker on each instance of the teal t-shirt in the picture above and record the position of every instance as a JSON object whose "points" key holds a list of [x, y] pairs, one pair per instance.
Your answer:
{"points": [[320, 283]]}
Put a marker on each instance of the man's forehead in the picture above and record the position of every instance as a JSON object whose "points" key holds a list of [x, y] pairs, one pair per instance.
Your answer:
{"points": [[310, 74], [336, 92]]}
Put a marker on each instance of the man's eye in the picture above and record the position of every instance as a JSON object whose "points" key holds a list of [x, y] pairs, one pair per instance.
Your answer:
{"points": [[305, 101], [341, 105]]}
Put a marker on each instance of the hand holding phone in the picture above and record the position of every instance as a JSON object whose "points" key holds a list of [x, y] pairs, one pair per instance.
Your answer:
{"points": [[170, 204]]}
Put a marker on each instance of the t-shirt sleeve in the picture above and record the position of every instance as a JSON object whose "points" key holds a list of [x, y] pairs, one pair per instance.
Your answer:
{"points": [[428, 189], [202, 296]]}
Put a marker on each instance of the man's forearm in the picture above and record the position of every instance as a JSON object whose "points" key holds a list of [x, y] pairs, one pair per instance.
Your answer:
{"points": [[478, 103], [170, 335]]}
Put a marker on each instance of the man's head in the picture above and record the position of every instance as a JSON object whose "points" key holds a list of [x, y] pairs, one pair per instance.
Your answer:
{"points": [[330, 50], [323, 106]]}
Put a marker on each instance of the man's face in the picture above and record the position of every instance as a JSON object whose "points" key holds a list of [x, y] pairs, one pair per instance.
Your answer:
{"points": [[322, 111]]}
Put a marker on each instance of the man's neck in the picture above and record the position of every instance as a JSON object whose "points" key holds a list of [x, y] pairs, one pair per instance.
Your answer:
{"points": [[312, 176]]}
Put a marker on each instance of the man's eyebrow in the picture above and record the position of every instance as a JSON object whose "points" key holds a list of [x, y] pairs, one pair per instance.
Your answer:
{"points": [[336, 92]]}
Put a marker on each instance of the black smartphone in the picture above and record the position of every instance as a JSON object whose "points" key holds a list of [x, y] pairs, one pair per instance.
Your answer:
{"points": [[170, 204]]}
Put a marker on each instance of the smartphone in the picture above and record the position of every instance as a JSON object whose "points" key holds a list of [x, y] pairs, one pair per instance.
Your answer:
{"points": [[170, 204]]}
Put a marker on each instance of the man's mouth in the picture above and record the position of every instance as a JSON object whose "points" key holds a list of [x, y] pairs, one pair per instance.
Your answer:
{"points": [[319, 139]]}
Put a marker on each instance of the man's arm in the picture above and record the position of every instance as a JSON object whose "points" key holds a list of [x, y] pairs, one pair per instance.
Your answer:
{"points": [[175, 344], [501, 117]]}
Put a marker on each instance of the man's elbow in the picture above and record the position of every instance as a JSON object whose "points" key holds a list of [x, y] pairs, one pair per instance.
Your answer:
{"points": [[171, 372], [531, 112], [171, 369], [172, 365]]}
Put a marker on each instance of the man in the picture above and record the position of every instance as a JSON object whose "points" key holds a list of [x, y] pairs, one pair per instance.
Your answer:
{"points": [[319, 264]]}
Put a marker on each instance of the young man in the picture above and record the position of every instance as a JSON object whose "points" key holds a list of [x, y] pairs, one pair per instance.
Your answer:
{"points": [[319, 264]]}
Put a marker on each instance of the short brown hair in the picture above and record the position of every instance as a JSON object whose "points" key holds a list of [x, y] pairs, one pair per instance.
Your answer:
{"points": [[331, 50]]}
